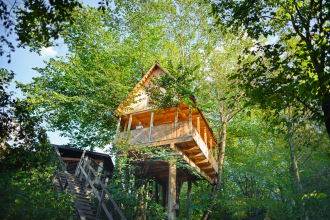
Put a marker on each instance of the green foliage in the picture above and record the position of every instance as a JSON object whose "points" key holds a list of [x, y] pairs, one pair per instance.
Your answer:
{"points": [[109, 52], [6, 126], [175, 87], [130, 189], [295, 67], [257, 181], [27, 163], [225, 74], [30, 194], [36, 23]]}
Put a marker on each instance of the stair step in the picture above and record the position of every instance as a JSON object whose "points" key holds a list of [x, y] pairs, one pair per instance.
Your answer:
{"points": [[86, 208], [82, 199]]}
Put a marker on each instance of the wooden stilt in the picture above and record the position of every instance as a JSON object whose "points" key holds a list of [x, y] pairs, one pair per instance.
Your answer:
{"points": [[129, 122], [118, 125], [171, 204]]}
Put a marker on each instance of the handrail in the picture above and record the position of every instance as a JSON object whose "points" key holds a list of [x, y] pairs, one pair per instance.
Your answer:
{"points": [[63, 168], [83, 163]]}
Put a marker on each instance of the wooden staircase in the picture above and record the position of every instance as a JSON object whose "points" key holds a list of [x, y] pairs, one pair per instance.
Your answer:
{"points": [[85, 185], [82, 196]]}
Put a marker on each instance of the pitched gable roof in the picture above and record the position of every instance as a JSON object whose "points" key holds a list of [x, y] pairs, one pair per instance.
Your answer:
{"points": [[142, 83]]}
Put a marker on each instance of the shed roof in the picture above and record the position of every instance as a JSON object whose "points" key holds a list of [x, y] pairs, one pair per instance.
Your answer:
{"points": [[66, 151]]}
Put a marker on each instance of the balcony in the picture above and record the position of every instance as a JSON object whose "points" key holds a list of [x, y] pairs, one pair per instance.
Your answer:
{"points": [[184, 136]]}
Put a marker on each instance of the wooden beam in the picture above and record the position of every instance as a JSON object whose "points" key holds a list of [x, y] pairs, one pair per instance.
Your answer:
{"points": [[126, 124], [202, 161], [192, 164], [175, 140], [197, 155], [129, 122], [205, 136], [198, 125]]}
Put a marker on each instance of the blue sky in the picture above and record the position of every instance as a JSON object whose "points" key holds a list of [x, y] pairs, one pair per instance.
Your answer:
{"points": [[22, 62]]}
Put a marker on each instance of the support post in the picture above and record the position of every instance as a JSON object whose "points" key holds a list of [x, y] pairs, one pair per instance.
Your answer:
{"points": [[101, 200], [126, 125], [129, 122], [171, 190], [88, 163], [151, 125], [100, 169], [118, 125]]}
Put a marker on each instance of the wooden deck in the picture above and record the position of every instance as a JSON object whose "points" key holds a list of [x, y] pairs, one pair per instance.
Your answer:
{"points": [[183, 138]]}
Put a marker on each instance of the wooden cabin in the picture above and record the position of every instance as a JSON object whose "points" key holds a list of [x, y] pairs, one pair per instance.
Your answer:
{"points": [[182, 129]]}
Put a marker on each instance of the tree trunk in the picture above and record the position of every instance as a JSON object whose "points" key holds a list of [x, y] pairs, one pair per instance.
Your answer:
{"points": [[221, 158], [295, 168], [222, 150], [294, 164]]}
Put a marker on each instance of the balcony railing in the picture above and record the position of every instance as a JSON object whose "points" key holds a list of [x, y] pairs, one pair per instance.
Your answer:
{"points": [[167, 132]]}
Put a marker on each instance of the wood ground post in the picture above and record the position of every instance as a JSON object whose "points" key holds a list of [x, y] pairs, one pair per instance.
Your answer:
{"points": [[171, 191]]}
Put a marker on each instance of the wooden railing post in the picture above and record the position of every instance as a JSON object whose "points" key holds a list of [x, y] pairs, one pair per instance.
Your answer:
{"points": [[151, 125], [89, 170], [79, 164], [198, 125], [102, 198], [176, 119], [205, 136], [190, 121]]}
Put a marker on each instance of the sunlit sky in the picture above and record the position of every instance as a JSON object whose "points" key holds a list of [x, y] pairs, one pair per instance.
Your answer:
{"points": [[22, 62]]}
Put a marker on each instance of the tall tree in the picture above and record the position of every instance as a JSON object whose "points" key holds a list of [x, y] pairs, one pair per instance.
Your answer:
{"points": [[298, 60], [109, 52]]}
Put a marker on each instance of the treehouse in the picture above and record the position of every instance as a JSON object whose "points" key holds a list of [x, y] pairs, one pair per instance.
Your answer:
{"points": [[180, 128]]}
